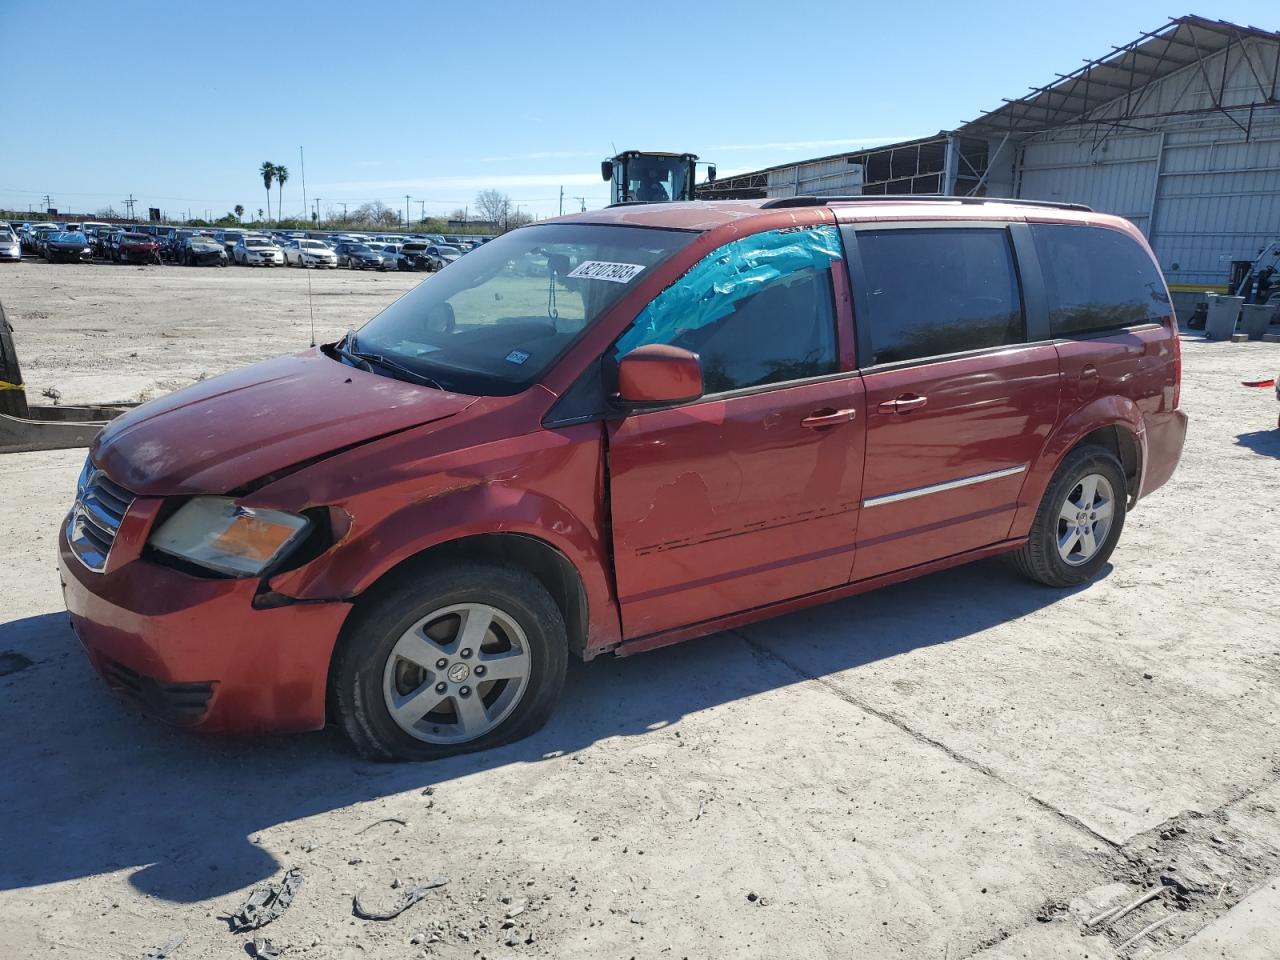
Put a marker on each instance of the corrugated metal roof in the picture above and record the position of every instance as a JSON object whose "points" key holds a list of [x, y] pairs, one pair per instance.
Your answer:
{"points": [[1123, 73]]}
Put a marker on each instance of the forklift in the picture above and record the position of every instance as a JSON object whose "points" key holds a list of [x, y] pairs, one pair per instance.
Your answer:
{"points": [[644, 176]]}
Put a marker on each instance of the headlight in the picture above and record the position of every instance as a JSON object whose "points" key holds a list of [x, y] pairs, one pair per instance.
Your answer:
{"points": [[217, 533]]}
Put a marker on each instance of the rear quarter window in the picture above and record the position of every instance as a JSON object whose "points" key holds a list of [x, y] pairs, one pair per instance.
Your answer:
{"points": [[1097, 279]]}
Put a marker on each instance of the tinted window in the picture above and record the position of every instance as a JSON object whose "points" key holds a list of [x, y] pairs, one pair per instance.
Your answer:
{"points": [[757, 311], [931, 292], [1097, 279]]}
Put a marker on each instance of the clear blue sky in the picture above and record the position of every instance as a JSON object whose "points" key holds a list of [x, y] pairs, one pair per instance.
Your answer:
{"points": [[179, 102]]}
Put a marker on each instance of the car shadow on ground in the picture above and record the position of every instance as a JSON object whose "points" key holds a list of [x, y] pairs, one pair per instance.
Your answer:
{"points": [[1265, 442], [91, 787]]}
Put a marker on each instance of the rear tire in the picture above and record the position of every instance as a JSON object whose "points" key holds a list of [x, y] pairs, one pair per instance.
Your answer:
{"points": [[1078, 522], [394, 700]]}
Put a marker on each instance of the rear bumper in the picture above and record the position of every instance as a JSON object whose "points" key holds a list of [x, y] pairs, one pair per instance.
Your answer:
{"points": [[195, 652], [1166, 433]]}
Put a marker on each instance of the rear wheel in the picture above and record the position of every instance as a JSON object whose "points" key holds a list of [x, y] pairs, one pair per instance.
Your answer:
{"points": [[449, 661], [1079, 520]]}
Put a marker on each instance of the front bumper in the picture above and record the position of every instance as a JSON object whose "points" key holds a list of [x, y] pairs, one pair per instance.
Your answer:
{"points": [[194, 651], [10, 253], [208, 259]]}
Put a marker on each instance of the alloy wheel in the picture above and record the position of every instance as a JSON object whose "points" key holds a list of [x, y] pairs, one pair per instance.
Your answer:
{"points": [[1084, 519], [457, 673]]}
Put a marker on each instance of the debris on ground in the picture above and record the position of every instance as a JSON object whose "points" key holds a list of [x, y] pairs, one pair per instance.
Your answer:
{"points": [[263, 949], [165, 952], [368, 827], [415, 894], [266, 903]]}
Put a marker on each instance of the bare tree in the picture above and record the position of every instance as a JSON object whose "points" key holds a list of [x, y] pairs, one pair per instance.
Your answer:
{"points": [[107, 213], [459, 214], [375, 213], [494, 206]]}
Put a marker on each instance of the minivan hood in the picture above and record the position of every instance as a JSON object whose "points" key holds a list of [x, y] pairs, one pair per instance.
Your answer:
{"points": [[223, 433]]}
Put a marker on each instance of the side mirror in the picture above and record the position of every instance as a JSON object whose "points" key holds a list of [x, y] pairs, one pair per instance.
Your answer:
{"points": [[659, 374], [606, 169], [711, 173]]}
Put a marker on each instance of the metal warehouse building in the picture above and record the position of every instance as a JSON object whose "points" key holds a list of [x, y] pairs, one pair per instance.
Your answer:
{"points": [[1179, 131]]}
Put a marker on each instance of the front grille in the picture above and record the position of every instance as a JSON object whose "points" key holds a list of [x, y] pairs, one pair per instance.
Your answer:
{"points": [[184, 704], [95, 517]]}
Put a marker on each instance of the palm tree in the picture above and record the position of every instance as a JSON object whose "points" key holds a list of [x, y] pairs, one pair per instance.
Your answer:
{"points": [[259, 214], [268, 171], [282, 174], [239, 208]]}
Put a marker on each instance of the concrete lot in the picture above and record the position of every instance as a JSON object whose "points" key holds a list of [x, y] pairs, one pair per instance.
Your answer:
{"points": [[963, 766]]}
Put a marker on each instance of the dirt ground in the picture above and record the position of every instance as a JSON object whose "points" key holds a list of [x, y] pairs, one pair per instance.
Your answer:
{"points": [[962, 766]]}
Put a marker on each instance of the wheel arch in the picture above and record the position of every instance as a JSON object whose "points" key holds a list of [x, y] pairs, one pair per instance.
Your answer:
{"points": [[555, 571], [1111, 422]]}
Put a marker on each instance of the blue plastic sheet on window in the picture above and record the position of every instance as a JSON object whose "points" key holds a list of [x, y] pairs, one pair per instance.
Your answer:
{"points": [[717, 283]]}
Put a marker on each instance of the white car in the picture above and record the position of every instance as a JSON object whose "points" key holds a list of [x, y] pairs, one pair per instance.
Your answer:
{"points": [[309, 253], [257, 251]]}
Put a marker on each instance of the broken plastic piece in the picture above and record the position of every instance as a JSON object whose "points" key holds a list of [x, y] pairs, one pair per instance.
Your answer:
{"points": [[165, 952], [266, 903]]}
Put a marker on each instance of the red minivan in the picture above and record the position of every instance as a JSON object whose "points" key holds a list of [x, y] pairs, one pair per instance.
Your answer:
{"points": [[616, 431]]}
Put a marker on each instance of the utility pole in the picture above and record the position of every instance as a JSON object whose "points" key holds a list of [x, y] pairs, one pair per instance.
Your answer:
{"points": [[562, 200], [344, 211], [406, 211], [316, 201], [303, 164], [48, 203], [129, 205], [583, 201]]}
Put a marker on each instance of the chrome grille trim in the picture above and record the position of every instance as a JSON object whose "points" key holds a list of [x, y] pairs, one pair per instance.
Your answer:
{"points": [[95, 517]]}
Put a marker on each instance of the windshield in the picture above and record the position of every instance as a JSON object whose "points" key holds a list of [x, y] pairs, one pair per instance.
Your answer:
{"points": [[134, 238], [657, 179], [230, 235], [312, 245], [69, 238], [358, 248], [257, 242], [495, 320], [453, 250]]}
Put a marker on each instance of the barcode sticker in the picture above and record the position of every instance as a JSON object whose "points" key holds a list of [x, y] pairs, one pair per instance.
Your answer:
{"points": [[603, 270]]}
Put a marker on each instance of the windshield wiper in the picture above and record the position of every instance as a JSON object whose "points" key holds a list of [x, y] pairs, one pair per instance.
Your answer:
{"points": [[365, 360]]}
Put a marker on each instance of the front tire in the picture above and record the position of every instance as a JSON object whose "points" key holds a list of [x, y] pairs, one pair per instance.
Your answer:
{"points": [[1079, 520], [449, 660]]}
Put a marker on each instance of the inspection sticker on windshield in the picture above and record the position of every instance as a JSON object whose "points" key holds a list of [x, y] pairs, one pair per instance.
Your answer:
{"points": [[604, 270], [517, 356]]}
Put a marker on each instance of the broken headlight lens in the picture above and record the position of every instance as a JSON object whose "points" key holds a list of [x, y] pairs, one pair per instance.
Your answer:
{"points": [[218, 533]]}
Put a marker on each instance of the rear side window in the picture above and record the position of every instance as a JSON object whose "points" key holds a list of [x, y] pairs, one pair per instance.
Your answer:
{"points": [[1097, 279], [932, 292]]}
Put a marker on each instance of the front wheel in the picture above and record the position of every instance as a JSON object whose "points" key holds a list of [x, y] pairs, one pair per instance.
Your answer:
{"points": [[447, 661], [1079, 520]]}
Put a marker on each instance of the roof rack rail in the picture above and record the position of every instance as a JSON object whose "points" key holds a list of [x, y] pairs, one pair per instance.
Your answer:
{"points": [[806, 201]]}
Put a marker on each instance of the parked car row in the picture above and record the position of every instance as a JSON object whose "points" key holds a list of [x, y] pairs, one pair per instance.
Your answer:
{"points": [[194, 246]]}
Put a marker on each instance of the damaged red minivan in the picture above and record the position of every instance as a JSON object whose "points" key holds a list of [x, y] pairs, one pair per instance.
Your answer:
{"points": [[615, 431]]}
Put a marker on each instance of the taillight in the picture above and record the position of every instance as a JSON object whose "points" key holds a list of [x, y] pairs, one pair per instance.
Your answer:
{"points": [[1177, 363]]}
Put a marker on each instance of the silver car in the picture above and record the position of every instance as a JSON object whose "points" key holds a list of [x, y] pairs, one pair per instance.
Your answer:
{"points": [[302, 252], [253, 250]]}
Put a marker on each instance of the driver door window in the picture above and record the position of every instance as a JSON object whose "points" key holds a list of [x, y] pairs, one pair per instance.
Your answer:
{"points": [[757, 311]]}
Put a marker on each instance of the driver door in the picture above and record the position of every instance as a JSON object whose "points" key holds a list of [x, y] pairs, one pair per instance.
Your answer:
{"points": [[749, 495]]}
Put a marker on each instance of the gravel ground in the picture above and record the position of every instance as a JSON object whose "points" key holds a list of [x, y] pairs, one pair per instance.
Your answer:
{"points": [[963, 766]]}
